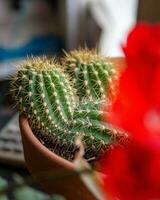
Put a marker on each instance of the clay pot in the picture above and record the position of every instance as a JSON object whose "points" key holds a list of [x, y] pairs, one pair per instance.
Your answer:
{"points": [[39, 159]]}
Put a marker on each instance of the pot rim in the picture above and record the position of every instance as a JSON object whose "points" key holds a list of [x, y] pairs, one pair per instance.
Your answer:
{"points": [[27, 132]]}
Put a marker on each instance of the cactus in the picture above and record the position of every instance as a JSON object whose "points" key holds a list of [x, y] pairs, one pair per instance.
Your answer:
{"points": [[45, 95], [92, 75], [48, 99]]}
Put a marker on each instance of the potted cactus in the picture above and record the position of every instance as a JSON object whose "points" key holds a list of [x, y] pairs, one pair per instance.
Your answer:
{"points": [[59, 102]]}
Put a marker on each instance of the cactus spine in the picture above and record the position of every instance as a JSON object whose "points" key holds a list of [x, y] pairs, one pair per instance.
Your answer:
{"points": [[61, 111]]}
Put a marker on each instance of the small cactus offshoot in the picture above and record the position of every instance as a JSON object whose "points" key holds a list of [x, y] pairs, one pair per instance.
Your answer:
{"points": [[60, 111], [92, 76]]}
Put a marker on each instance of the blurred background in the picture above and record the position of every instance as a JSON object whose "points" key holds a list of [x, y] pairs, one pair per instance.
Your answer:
{"points": [[46, 27]]}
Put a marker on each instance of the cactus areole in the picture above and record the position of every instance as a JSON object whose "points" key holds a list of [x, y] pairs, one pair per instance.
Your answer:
{"points": [[62, 102]]}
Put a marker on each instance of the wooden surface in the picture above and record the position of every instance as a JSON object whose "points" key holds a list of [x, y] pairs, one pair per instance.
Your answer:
{"points": [[149, 11], [119, 62]]}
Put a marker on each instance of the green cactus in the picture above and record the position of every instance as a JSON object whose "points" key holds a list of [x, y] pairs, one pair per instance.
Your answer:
{"points": [[47, 97], [92, 74]]}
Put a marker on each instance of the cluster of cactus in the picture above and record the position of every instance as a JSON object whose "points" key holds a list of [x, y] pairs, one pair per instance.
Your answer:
{"points": [[63, 101]]}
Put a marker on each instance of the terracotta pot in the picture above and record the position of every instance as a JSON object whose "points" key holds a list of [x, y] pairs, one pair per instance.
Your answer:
{"points": [[39, 159]]}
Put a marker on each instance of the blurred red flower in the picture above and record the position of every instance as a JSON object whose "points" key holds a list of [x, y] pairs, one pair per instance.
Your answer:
{"points": [[133, 171], [137, 106]]}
